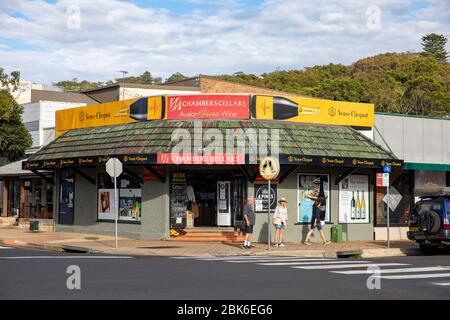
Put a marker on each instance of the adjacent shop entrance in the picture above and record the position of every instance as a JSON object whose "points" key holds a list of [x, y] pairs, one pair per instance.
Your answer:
{"points": [[207, 199]]}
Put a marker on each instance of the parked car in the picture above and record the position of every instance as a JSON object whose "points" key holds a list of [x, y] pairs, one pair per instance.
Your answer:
{"points": [[429, 223]]}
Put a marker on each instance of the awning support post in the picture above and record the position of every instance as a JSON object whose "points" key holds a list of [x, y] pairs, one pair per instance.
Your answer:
{"points": [[344, 175], [47, 179], [84, 176]]}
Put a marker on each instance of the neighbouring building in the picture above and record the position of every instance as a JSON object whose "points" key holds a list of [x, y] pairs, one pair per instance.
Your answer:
{"points": [[424, 144]]}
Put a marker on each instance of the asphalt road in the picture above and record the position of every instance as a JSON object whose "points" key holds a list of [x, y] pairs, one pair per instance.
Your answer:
{"points": [[32, 274]]}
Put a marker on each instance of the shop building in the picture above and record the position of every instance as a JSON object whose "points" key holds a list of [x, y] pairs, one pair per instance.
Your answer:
{"points": [[423, 143], [158, 189]]}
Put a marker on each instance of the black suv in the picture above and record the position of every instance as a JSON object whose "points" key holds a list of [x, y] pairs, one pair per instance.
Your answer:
{"points": [[429, 222]]}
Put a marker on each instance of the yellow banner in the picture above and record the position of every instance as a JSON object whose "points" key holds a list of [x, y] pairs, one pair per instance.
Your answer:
{"points": [[310, 110], [105, 114]]}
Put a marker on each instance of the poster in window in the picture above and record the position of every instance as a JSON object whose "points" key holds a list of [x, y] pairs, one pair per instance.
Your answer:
{"points": [[309, 188], [106, 204], [66, 198], [261, 196], [130, 204], [354, 204]]}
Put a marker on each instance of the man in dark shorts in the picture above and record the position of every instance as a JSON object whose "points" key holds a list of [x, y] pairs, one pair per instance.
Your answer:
{"points": [[249, 222]]}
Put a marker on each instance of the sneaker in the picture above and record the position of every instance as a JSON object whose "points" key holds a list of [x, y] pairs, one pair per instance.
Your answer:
{"points": [[281, 245], [275, 245], [326, 243], [244, 247], [307, 243]]}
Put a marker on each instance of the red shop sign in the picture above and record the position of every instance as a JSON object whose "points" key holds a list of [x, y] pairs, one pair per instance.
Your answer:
{"points": [[208, 107], [173, 158]]}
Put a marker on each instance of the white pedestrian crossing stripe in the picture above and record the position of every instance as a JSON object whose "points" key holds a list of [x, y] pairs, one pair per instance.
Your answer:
{"points": [[281, 261], [387, 270], [5, 247], [306, 262], [443, 284], [415, 276], [344, 266], [401, 270]]}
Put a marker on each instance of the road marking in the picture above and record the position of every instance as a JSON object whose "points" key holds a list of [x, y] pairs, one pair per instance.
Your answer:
{"points": [[401, 270], [278, 260], [247, 258], [310, 262], [442, 284], [5, 247], [355, 265], [415, 276], [65, 257]]}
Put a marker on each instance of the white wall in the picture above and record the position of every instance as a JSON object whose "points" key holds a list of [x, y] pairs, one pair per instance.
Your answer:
{"points": [[131, 93], [415, 139], [44, 113]]}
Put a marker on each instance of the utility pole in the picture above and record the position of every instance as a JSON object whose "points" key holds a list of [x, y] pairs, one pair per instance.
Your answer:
{"points": [[124, 72]]}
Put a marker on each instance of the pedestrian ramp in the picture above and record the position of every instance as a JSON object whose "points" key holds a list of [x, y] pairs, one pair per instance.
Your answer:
{"points": [[387, 270]]}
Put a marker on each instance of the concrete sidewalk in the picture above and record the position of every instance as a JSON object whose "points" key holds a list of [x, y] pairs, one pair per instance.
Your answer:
{"points": [[59, 241]]}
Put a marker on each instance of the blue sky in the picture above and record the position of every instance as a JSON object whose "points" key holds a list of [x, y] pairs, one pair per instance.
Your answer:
{"points": [[55, 40]]}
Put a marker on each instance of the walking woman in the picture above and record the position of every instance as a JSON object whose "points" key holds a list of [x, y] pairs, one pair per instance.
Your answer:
{"points": [[317, 221], [280, 220]]}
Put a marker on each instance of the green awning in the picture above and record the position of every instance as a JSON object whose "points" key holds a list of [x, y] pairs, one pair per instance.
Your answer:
{"points": [[143, 141], [426, 166]]}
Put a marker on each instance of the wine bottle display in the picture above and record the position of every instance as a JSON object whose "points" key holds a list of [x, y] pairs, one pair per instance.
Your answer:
{"points": [[353, 207], [363, 207], [358, 206], [279, 108]]}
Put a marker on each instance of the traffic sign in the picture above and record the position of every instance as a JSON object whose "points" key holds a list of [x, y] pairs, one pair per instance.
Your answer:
{"points": [[269, 168], [387, 169], [114, 167], [382, 179]]}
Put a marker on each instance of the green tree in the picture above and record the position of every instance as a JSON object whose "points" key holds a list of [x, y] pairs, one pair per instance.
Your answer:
{"points": [[12, 80], [434, 45], [14, 136], [176, 77], [76, 85], [342, 89]]}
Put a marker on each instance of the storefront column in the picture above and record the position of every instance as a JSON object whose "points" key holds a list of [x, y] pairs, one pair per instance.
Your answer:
{"points": [[22, 199], [5, 198]]}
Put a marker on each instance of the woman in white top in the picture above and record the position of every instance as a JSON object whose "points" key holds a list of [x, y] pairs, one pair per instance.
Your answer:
{"points": [[280, 219]]}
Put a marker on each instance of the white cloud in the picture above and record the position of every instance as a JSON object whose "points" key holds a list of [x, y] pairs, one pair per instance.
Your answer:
{"points": [[117, 35]]}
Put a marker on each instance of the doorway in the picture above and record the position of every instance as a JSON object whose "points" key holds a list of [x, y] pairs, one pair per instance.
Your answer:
{"points": [[216, 199]]}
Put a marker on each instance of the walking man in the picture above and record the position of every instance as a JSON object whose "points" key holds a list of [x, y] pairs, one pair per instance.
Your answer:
{"points": [[249, 220]]}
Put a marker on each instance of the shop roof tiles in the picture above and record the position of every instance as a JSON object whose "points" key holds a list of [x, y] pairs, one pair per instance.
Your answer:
{"points": [[155, 137]]}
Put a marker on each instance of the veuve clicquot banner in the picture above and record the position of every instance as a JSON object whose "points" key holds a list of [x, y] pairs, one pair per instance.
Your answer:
{"points": [[216, 106], [310, 110], [105, 114]]}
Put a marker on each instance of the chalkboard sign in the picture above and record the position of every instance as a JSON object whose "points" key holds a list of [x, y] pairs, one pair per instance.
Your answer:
{"points": [[178, 205]]}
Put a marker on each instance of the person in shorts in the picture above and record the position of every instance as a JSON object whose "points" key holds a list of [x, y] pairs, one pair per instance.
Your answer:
{"points": [[280, 220], [317, 222], [249, 222]]}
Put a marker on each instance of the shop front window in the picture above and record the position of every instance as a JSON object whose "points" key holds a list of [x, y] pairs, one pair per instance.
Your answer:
{"points": [[129, 202], [400, 202], [310, 187]]}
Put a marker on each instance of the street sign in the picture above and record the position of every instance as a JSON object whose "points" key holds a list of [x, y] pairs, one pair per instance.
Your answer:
{"points": [[387, 169], [114, 167], [269, 168], [382, 179]]}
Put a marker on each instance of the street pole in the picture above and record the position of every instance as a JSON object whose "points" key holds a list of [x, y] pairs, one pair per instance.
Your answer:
{"points": [[268, 216], [388, 218], [116, 206]]}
